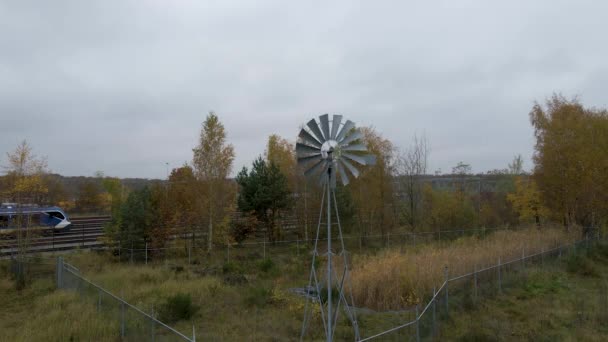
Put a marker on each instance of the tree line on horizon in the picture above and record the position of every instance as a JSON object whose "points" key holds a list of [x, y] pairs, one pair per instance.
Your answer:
{"points": [[568, 186]]}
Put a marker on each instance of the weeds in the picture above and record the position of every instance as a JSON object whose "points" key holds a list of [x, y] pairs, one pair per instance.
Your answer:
{"points": [[258, 296], [177, 307], [579, 263]]}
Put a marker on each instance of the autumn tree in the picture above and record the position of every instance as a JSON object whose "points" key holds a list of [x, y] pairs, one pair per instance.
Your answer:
{"points": [[282, 153], [446, 209], [25, 178], [571, 159], [410, 166], [90, 196], [114, 190], [25, 174], [212, 163], [461, 172], [526, 201], [184, 197], [373, 193]]}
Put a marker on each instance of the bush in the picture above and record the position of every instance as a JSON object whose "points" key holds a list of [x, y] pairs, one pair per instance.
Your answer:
{"points": [[258, 296], [243, 228], [579, 263], [266, 265], [230, 267], [234, 279], [176, 307], [599, 252]]}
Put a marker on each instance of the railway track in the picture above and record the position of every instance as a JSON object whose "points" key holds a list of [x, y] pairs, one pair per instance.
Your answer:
{"points": [[84, 233]]}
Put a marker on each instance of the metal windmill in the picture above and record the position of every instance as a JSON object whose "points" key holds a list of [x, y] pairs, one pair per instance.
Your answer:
{"points": [[323, 152]]}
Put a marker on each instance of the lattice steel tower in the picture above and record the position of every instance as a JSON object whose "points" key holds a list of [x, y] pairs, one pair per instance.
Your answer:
{"points": [[324, 151]]}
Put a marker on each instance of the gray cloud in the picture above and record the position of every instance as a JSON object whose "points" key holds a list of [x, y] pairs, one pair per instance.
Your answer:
{"points": [[123, 86]]}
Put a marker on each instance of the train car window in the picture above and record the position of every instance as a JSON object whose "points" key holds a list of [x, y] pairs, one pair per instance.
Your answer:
{"points": [[56, 214]]}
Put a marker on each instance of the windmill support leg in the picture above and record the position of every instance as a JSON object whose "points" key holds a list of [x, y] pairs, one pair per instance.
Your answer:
{"points": [[329, 315]]}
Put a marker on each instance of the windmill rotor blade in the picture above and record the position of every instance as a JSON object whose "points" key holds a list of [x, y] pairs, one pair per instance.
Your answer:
{"points": [[345, 129], [356, 135], [307, 159], [304, 150], [370, 159], [343, 174], [353, 170], [335, 125], [308, 138], [356, 147], [314, 128], [350, 152], [325, 125], [315, 168], [359, 159]]}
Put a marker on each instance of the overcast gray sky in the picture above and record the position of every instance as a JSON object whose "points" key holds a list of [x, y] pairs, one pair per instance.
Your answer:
{"points": [[123, 86]]}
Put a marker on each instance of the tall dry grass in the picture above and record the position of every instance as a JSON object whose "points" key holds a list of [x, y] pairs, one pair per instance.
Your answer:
{"points": [[395, 279]]}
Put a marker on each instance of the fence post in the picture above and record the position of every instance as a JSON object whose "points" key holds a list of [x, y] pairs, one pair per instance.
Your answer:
{"points": [[146, 253], [542, 257], [434, 311], [193, 334], [153, 324], [417, 325], [499, 277], [122, 314], [447, 296], [475, 283], [59, 272]]}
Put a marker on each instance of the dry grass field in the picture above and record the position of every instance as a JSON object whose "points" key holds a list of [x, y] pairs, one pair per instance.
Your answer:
{"points": [[397, 278], [246, 298]]}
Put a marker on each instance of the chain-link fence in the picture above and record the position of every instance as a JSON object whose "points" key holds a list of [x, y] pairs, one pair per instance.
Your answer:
{"points": [[461, 293], [132, 324]]}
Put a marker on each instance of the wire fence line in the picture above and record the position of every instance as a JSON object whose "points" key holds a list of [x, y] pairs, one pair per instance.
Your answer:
{"points": [[134, 324], [264, 248], [463, 291]]}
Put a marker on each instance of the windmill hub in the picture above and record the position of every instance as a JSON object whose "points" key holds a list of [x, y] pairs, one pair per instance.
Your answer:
{"points": [[330, 150]]}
